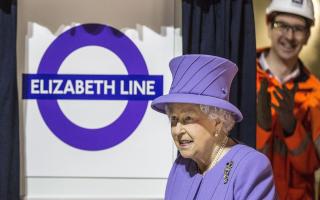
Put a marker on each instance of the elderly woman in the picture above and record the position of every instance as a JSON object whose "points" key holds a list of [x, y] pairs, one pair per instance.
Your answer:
{"points": [[210, 165]]}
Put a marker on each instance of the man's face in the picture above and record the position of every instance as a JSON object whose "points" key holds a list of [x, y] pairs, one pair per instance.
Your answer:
{"points": [[288, 34]]}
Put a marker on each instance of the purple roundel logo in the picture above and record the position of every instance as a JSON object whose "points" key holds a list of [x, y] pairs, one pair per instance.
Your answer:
{"points": [[67, 131]]}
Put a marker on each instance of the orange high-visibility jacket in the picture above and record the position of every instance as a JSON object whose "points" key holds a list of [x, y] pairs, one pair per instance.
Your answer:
{"points": [[295, 158]]}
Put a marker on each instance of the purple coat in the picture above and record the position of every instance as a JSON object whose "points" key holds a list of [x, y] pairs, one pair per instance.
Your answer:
{"points": [[242, 174]]}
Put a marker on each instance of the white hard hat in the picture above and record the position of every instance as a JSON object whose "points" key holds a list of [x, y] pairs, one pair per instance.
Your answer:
{"points": [[302, 8]]}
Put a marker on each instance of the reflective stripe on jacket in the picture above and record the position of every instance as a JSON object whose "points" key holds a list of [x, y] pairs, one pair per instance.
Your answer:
{"points": [[295, 158]]}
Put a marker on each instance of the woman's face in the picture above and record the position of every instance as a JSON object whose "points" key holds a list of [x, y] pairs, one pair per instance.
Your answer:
{"points": [[192, 131]]}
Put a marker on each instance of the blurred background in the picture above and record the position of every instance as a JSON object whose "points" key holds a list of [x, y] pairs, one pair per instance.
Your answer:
{"points": [[310, 54]]}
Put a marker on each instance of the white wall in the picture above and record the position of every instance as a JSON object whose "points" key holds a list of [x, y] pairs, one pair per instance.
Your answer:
{"points": [[136, 168]]}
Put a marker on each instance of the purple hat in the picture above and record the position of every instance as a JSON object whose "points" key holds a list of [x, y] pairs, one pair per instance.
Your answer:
{"points": [[200, 79]]}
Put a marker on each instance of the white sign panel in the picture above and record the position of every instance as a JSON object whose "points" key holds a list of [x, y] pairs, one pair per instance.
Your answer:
{"points": [[87, 85], [78, 114]]}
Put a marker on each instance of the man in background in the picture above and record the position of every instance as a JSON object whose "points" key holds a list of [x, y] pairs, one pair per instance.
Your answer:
{"points": [[288, 100]]}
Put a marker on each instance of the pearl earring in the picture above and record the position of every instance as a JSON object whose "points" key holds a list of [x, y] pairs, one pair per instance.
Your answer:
{"points": [[216, 134]]}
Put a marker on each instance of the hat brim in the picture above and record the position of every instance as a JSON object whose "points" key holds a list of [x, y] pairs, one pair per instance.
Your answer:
{"points": [[159, 103]]}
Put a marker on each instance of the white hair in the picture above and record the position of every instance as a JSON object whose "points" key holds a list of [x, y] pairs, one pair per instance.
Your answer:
{"points": [[217, 114], [221, 115]]}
